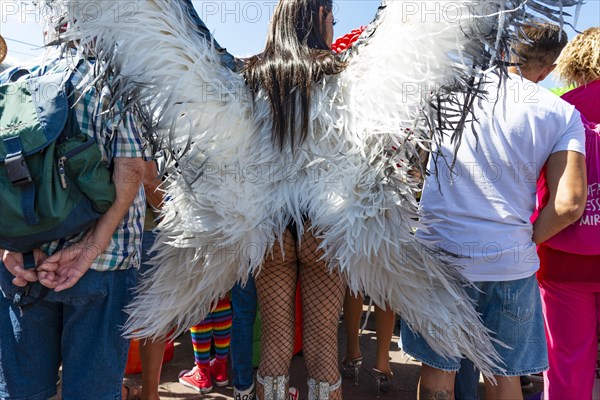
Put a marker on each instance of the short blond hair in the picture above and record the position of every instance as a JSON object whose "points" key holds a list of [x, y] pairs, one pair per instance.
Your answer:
{"points": [[579, 62]]}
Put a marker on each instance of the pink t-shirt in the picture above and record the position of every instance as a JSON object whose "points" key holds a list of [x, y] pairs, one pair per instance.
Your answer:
{"points": [[586, 100], [583, 236]]}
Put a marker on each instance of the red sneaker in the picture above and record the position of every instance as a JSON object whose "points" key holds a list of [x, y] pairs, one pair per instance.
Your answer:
{"points": [[197, 378], [293, 394], [218, 371]]}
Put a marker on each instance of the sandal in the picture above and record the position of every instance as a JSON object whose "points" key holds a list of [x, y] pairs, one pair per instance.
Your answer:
{"points": [[321, 390], [131, 393], [350, 368], [383, 381], [274, 388]]}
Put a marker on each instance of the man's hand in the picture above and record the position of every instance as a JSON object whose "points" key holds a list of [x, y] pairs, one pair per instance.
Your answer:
{"points": [[63, 269], [14, 263]]}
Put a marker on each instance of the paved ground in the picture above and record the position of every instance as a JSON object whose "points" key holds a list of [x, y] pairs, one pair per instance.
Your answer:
{"points": [[406, 372]]}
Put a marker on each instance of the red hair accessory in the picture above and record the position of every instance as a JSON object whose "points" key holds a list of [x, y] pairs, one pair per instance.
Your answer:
{"points": [[346, 41]]}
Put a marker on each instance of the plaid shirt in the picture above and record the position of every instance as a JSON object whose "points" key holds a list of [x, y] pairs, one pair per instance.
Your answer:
{"points": [[116, 136]]}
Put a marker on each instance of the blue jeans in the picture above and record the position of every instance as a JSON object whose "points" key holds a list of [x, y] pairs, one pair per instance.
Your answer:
{"points": [[512, 311], [79, 327], [243, 302]]}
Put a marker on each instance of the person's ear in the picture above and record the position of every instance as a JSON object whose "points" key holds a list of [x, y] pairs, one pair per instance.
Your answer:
{"points": [[545, 72]]}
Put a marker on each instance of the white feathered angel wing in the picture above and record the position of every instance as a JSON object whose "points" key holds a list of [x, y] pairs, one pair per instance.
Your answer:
{"points": [[160, 61], [411, 77]]}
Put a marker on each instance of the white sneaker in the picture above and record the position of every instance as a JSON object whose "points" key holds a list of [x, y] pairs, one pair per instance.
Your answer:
{"points": [[247, 394]]}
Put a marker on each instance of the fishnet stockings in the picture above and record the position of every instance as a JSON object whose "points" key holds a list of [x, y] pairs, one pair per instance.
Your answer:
{"points": [[322, 299], [275, 288]]}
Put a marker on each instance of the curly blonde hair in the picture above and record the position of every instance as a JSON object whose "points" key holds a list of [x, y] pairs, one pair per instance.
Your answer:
{"points": [[579, 62]]}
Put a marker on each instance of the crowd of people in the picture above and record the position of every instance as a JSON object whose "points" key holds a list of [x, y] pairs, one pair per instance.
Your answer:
{"points": [[517, 208]]}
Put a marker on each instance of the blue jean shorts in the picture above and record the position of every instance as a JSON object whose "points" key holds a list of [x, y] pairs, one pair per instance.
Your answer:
{"points": [[512, 310], [79, 327]]}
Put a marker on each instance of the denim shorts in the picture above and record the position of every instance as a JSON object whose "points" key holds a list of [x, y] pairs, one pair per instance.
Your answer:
{"points": [[512, 310], [79, 327]]}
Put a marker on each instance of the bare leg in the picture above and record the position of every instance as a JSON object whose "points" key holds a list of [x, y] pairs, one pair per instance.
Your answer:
{"points": [[507, 387], [436, 384], [151, 355], [276, 288], [352, 313], [384, 326], [322, 299]]}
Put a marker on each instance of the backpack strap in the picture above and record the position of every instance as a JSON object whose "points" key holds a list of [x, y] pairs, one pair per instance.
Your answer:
{"points": [[29, 263], [19, 175], [28, 260], [72, 123]]}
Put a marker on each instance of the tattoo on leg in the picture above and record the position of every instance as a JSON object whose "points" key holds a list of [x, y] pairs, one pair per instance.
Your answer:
{"points": [[429, 394]]}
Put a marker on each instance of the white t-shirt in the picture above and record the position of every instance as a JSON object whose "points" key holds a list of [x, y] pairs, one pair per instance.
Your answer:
{"points": [[481, 210]]}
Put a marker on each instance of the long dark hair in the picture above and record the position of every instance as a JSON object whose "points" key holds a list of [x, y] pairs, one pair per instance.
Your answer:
{"points": [[296, 56]]}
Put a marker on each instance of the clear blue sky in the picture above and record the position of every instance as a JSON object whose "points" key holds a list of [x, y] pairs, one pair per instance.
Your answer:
{"points": [[238, 25]]}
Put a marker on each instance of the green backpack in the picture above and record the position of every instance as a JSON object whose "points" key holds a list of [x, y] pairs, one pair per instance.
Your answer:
{"points": [[53, 183]]}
